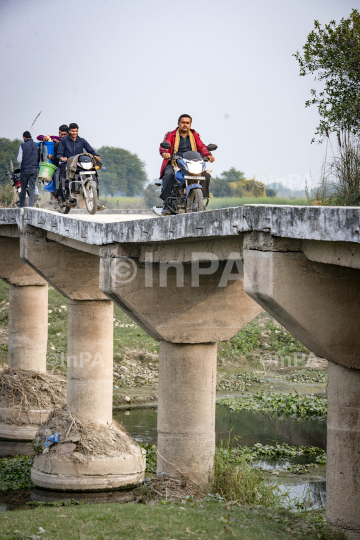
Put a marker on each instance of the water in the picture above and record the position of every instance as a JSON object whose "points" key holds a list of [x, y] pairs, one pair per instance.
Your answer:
{"points": [[250, 428]]}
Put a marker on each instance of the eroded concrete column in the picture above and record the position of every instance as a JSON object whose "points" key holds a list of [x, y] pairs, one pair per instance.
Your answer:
{"points": [[343, 449], [118, 460], [90, 360], [28, 327], [186, 409]]}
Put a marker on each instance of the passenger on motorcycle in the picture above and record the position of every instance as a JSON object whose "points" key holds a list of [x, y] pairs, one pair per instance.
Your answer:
{"points": [[63, 132], [182, 139], [68, 147]]}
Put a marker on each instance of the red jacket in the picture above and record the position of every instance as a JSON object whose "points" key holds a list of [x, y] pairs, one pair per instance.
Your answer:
{"points": [[170, 137]]}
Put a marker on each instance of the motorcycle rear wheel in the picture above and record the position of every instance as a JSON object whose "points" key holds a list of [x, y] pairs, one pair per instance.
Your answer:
{"points": [[91, 197]]}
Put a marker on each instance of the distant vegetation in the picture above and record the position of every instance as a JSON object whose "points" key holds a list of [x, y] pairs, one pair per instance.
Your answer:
{"points": [[11, 150], [232, 183]]}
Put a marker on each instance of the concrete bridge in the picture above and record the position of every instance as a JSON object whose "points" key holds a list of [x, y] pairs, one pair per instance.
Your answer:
{"points": [[191, 281]]}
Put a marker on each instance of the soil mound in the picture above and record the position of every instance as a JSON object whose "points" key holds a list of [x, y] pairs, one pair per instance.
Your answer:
{"points": [[25, 390], [81, 440]]}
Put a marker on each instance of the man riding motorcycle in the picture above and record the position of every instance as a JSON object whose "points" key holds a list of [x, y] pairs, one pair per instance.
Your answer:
{"points": [[72, 146], [182, 139]]}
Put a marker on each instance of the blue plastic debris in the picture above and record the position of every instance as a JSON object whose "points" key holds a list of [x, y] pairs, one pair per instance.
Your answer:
{"points": [[52, 439], [116, 387]]}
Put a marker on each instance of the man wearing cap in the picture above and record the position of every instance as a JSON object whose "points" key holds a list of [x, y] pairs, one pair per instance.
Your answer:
{"points": [[28, 159]]}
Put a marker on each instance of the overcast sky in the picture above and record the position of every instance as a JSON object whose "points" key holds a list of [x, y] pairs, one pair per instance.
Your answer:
{"points": [[125, 70]]}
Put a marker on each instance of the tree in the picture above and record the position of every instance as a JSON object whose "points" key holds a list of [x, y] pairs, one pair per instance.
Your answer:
{"points": [[233, 184], [122, 173], [270, 192], [11, 150], [220, 186], [151, 196], [332, 53]]}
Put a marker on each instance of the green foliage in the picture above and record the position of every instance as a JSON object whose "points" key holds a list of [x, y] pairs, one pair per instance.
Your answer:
{"points": [[247, 339], [11, 150], [15, 473], [332, 54], [122, 172], [151, 457], [270, 192], [235, 480], [282, 341], [292, 405], [151, 196]]}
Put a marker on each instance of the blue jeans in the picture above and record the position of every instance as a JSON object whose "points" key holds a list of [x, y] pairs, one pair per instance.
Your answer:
{"points": [[27, 178]]}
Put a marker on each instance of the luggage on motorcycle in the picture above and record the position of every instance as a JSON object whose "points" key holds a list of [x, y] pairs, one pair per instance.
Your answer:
{"points": [[46, 171]]}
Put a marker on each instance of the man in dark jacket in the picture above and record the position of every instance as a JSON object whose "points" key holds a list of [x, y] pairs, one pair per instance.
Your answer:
{"points": [[73, 145], [182, 139], [63, 132], [28, 158]]}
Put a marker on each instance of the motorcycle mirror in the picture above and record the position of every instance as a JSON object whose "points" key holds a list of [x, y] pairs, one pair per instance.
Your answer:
{"points": [[165, 145], [211, 147]]}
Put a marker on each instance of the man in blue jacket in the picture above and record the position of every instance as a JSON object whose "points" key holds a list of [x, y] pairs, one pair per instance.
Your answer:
{"points": [[28, 158]]}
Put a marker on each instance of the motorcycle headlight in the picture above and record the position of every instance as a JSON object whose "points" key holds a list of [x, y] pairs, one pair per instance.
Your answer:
{"points": [[195, 167], [85, 165]]}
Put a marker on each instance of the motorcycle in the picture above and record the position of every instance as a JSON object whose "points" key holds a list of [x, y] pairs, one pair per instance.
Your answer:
{"points": [[187, 195], [84, 187], [15, 181]]}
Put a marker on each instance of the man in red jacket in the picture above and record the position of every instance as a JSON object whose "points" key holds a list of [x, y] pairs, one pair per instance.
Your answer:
{"points": [[182, 139]]}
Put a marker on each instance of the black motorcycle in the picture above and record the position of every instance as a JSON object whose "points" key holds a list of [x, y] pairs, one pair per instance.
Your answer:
{"points": [[83, 188], [16, 183]]}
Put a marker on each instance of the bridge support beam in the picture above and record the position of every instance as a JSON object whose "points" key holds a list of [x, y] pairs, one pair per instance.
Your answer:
{"points": [[319, 304], [75, 274], [188, 316], [27, 338]]}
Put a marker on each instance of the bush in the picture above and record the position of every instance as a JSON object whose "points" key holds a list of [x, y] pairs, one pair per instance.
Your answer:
{"points": [[151, 196]]}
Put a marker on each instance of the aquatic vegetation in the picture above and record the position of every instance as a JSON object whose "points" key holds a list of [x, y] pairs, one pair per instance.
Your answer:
{"points": [[292, 405], [238, 382], [307, 376], [278, 451]]}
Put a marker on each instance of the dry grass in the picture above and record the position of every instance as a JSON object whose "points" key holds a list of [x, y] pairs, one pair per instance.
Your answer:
{"points": [[25, 390], [88, 439]]}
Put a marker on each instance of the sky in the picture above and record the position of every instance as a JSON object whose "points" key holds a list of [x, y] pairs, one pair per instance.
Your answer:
{"points": [[124, 71]]}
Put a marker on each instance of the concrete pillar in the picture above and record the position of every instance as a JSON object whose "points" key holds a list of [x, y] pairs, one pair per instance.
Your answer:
{"points": [[27, 340], [186, 409], [28, 327], [343, 449], [75, 274], [188, 317], [90, 360]]}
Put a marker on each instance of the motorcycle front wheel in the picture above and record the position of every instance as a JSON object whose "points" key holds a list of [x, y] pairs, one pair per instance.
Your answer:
{"points": [[91, 197], [196, 200]]}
